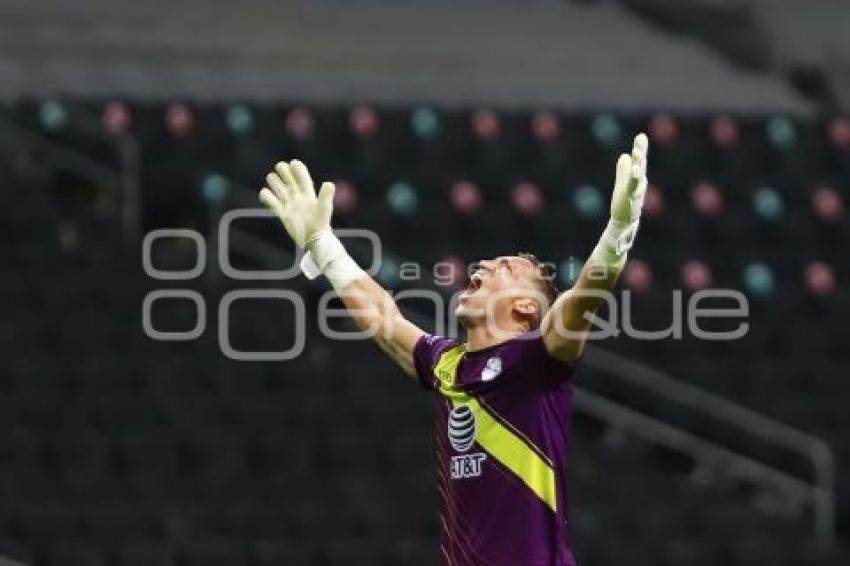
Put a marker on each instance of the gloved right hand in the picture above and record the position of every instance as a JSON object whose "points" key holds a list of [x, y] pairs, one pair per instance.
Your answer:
{"points": [[290, 194]]}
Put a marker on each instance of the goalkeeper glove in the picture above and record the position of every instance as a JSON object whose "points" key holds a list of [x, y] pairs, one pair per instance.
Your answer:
{"points": [[307, 219], [626, 202]]}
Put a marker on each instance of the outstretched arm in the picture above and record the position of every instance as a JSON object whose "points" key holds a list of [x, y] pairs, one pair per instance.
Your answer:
{"points": [[567, 323], [306, 218]]}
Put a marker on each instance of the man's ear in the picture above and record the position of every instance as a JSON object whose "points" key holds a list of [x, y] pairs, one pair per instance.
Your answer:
{"points": [[526, 307]]}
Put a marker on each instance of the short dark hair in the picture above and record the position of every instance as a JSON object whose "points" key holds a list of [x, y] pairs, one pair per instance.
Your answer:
{"points": [[545, 277]]}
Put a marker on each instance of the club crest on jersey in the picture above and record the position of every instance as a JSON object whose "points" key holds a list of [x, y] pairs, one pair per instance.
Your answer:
{"points": [[492, 369]]}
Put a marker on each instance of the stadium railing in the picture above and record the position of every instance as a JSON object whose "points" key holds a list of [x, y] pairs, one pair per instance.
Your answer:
{"points": [[820, 490]]}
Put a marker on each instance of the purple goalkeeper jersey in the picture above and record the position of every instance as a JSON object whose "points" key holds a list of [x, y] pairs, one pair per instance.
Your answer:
{"points": [[502, 421]]}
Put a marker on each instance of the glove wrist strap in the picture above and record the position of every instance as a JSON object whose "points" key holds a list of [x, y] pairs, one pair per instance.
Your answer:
{"points": [[326, 255], [615, 243], [620, 236]]}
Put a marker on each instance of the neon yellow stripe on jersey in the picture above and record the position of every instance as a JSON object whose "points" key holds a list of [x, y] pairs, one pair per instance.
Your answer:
{"points": [[513, 451], [446, 366]]}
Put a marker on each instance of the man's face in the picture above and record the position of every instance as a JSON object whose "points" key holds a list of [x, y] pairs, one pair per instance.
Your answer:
{"points": [[500, 291]]}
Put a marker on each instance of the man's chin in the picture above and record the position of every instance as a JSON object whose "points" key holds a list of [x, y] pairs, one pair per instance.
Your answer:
{"points": [[464, 316]]}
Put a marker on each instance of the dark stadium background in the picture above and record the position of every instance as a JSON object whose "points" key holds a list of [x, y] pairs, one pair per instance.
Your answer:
{"points": [[455, 130]]}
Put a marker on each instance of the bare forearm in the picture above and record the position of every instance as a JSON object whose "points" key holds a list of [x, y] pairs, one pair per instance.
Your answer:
{"points": [[369, 305], [593, 283], [569, 321], [375, 312]]}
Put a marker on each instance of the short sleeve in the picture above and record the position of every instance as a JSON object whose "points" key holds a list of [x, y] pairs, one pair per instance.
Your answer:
{"points": [[426, 353], [529, 350]]}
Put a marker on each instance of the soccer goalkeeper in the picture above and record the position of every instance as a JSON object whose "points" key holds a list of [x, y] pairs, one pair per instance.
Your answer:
{"points": [[503, 394]]}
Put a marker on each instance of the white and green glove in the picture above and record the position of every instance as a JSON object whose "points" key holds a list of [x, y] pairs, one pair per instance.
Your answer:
{"points": [[307, 219], [626, 203]]}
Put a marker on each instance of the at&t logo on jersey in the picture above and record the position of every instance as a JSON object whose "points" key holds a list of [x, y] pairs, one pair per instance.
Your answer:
{"points": [[467, 465], [461, 428], [461, 433]]}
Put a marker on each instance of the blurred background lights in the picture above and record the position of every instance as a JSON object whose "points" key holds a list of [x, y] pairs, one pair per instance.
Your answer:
{"points": [[299, 123], [388, 272], [707, 199], [724, 132], [839, 132], [425, 123], [486, 124], [53, 116], [116, 117], [569, 270], [653, 202], [781, 132], [663, 129], [819, 278], [759, 279], [768, 204], [588, 201], [214, 187], [637, 275], [239, 119], [546, 126], [402, 199], [364, 122], [465, 197], [345, 197], [827, 204], [606, 129], [179, 119], [527, 199], [696, 275]]}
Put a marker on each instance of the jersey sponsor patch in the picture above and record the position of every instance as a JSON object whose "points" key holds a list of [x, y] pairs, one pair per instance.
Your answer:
{"points": [[467, 465], [461, 432], [461, 428]]}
